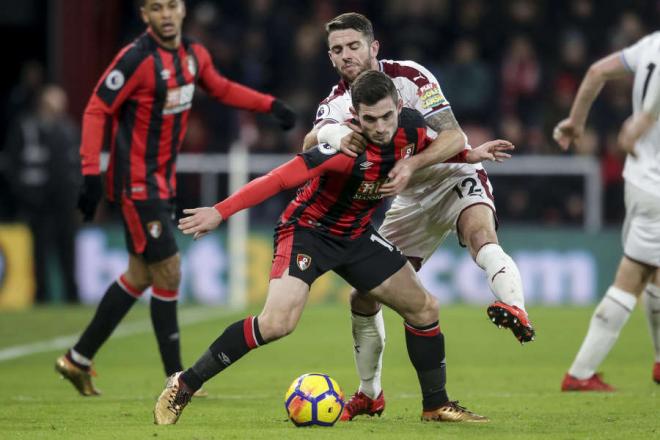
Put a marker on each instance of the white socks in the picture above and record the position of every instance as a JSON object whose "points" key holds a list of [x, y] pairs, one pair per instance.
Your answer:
{"points": [[369, 342], [608, 319], [79, 358], [503, 275], [651, 298]]}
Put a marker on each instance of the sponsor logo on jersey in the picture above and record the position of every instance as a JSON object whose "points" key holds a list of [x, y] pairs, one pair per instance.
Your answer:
{"points": [[192, 66], [165, 74], [430, 96], [179, 99], [322, 111], [366, 165], [407, 151], [155, 228], [303, 261], [115, 80], [368, 190], [326, 149]]}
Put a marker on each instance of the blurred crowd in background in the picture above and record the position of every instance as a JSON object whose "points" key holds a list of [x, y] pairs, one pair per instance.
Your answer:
{"points": [[509, 68]]}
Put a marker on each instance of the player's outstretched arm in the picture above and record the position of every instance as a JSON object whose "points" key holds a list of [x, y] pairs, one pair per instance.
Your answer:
{"points": [[569, 130]]}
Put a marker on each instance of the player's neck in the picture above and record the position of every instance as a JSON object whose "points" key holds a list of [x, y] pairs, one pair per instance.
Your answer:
{"points": [[167, 44]]}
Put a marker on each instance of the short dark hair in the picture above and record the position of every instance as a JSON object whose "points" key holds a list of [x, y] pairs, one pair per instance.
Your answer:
{"points": [[351, 20], [372, 86]]}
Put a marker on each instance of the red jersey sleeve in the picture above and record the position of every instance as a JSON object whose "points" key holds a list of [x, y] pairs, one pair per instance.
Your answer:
{"points": [[289, 175], [117, 83], [227, 91]]}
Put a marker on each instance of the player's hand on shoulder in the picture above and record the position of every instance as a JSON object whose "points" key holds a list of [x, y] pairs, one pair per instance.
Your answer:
{"points": [[494, 151], [567, 132], [398, 178], [200, 221], [284, 114], [90, 195], [353, 143]]}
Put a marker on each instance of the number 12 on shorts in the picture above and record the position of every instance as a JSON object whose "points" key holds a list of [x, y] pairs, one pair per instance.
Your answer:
{"points": [[467, 187]]}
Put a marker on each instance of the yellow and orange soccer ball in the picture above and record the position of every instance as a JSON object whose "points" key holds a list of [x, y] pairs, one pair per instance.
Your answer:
{"points": [[314, 399]]}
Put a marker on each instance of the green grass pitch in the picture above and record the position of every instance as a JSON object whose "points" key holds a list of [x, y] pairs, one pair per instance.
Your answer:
{"points": [[488, 371]]}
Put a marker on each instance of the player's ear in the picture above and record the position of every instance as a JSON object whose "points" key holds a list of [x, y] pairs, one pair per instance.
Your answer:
{"points": [[375, 46], [399, 105], [353, 112], [183, 9], [143, 14]]}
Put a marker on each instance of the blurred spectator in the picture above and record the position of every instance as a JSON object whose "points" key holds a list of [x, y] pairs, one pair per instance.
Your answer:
{"points": [[468, 84], [42, 147]]}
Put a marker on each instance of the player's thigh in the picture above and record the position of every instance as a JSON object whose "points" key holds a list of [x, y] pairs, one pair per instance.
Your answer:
{"points": [[407, 225], [284, 305], [404, 293], [632, 276], [641, 227], [138, 274]]}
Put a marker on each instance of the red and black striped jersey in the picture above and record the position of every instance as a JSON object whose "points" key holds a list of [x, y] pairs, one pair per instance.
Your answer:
{"points": [[342, 202], [139, 110], [342, 192]]}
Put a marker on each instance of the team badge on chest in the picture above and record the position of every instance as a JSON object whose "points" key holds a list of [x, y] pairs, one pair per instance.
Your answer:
{"points": [[155, 228], [303, 261]]}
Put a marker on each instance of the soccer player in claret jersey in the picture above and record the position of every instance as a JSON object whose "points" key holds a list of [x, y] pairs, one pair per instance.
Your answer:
{"points": [[140, 109], [328, 227], [638, 274], [433, 201]]}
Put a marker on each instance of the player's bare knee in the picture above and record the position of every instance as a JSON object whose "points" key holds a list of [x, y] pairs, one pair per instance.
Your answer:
{"points": [[167, 273], [363, 303], [275, 326]]}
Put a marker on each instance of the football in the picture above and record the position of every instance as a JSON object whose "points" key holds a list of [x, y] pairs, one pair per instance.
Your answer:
{"points": [[314, 399]]}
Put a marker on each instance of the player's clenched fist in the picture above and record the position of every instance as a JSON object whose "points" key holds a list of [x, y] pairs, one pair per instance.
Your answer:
{"points": [[566, 133], [200, 222]]}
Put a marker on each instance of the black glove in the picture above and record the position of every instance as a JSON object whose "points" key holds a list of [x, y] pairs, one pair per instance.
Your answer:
{"points": [[284, 114], [90, 196]]}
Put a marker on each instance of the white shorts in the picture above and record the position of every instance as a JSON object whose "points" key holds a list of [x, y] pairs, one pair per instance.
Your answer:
{"points": [[641, 228], [419, 228]]}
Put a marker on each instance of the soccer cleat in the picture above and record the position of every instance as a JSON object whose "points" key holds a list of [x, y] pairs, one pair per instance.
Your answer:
{"points": [[504, 315], [593, 383], [656, 373], [452, 412], [81, 379], [172, 401], [361, 404]]}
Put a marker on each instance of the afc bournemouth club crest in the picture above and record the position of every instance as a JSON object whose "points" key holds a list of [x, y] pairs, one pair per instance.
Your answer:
{"points": [[155, 228], [303, 261]]}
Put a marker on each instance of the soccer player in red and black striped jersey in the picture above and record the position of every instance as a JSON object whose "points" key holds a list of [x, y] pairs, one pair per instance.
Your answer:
{"points": [[328, 227], [139, 110]]}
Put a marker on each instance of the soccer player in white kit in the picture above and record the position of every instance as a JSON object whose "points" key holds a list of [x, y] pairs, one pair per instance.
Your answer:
{"points": [[638, 274], [431, 202]]}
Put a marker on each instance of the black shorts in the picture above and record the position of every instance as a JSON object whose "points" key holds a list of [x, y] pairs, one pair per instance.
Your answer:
{"points": [[149, 229], [364, 262]]}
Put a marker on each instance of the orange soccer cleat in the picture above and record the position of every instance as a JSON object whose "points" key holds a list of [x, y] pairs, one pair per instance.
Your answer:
{"points": [[361, 404], [514, 318]]}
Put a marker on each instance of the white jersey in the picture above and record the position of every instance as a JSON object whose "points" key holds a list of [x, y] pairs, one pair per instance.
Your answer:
{"points": [[418, 89], [643, 59]]}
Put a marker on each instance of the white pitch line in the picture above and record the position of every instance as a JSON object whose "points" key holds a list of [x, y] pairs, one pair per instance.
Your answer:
{"points": [[186, 317]]}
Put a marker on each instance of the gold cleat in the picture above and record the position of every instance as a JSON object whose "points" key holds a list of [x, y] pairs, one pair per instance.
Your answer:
{"points": [[81, 379], [172, 401], [452, 412]]}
